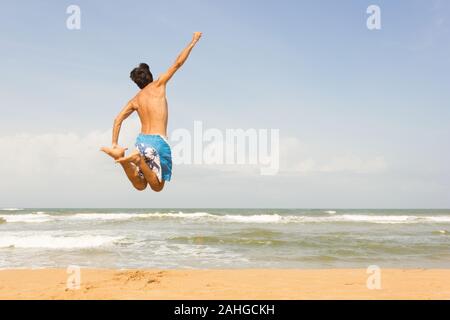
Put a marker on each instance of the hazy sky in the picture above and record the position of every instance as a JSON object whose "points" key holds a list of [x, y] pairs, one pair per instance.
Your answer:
{"points": [[363, 115]]}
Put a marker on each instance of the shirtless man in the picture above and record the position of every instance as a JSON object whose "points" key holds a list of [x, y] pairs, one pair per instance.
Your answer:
{"points": [[151, 163]]}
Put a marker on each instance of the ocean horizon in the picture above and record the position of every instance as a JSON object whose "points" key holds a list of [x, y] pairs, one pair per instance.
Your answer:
{"points": [[128, 238]]}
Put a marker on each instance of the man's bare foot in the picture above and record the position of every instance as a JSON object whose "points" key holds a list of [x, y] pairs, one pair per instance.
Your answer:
{"points": [[115, 153], [134, 157]]}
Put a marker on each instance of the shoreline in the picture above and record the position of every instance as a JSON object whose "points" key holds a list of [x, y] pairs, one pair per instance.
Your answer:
{"points": [[211, 284]]}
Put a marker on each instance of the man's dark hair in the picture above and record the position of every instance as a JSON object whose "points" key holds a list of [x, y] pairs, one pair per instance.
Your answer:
{"points": [[141, 75]]}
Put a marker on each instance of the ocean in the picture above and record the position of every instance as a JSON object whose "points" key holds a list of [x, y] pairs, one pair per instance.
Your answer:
{"points": [[224, 238]]}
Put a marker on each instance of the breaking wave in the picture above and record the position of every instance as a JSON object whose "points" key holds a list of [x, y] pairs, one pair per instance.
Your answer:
{"points": [[40, 217], [56, 242]]}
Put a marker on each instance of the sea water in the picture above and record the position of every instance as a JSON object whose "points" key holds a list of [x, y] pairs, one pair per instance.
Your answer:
{"points": [[224, 238]]}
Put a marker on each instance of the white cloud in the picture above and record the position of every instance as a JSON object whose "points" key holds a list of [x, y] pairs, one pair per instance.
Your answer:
{"points": [[71, 154], [299, 157], [346, 163], [67, 169]]}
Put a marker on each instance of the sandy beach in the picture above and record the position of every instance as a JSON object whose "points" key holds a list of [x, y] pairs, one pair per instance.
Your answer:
{"points": [[225, 284]]}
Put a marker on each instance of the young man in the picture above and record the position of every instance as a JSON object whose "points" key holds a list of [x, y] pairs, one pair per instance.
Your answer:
{"points": [[151, 163]]}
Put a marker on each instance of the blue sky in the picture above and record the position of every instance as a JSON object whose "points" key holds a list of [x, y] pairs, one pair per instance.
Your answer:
{"points": [[312, 69]]}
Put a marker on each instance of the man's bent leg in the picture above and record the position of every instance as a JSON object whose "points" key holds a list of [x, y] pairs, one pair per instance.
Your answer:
{"points": [[150, 176], [132, 173], [131, 170]]}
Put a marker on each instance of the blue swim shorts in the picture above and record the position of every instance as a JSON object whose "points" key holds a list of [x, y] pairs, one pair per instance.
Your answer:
{"points": [[156, 151]]}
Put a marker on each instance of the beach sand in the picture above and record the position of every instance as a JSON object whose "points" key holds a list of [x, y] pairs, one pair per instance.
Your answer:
{"points": [[225, 284]]}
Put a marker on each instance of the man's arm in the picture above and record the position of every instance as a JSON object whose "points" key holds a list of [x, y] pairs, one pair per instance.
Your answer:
{"points": [[125, 113], [180, 60]]}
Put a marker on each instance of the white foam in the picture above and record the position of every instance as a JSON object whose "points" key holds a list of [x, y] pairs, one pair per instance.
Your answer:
{"points": [[103, 216], [383, 219], [374, 219], [29, 218], [263, 218], [180, 214], [266, 218], [330, 211], [439, 219], [55, 242], [126, 216], [11, 209], [231, 218]]}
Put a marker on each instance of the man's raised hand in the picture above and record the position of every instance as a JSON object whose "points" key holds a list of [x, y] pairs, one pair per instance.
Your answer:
{"points": [[197, 36]]}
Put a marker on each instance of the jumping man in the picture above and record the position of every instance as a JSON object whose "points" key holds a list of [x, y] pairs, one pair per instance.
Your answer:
{"points": [[151, 163]]}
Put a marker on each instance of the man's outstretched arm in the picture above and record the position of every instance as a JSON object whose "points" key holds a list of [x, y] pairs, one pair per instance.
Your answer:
{"points": [[125, 113], [180, 60]]}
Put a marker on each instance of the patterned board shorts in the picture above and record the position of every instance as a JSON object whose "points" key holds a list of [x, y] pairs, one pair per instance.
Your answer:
{"points": [[157, 154]]}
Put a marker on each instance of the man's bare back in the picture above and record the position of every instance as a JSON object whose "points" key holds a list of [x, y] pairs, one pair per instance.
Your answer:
{"points": [[151, 106], [151, 163]]}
